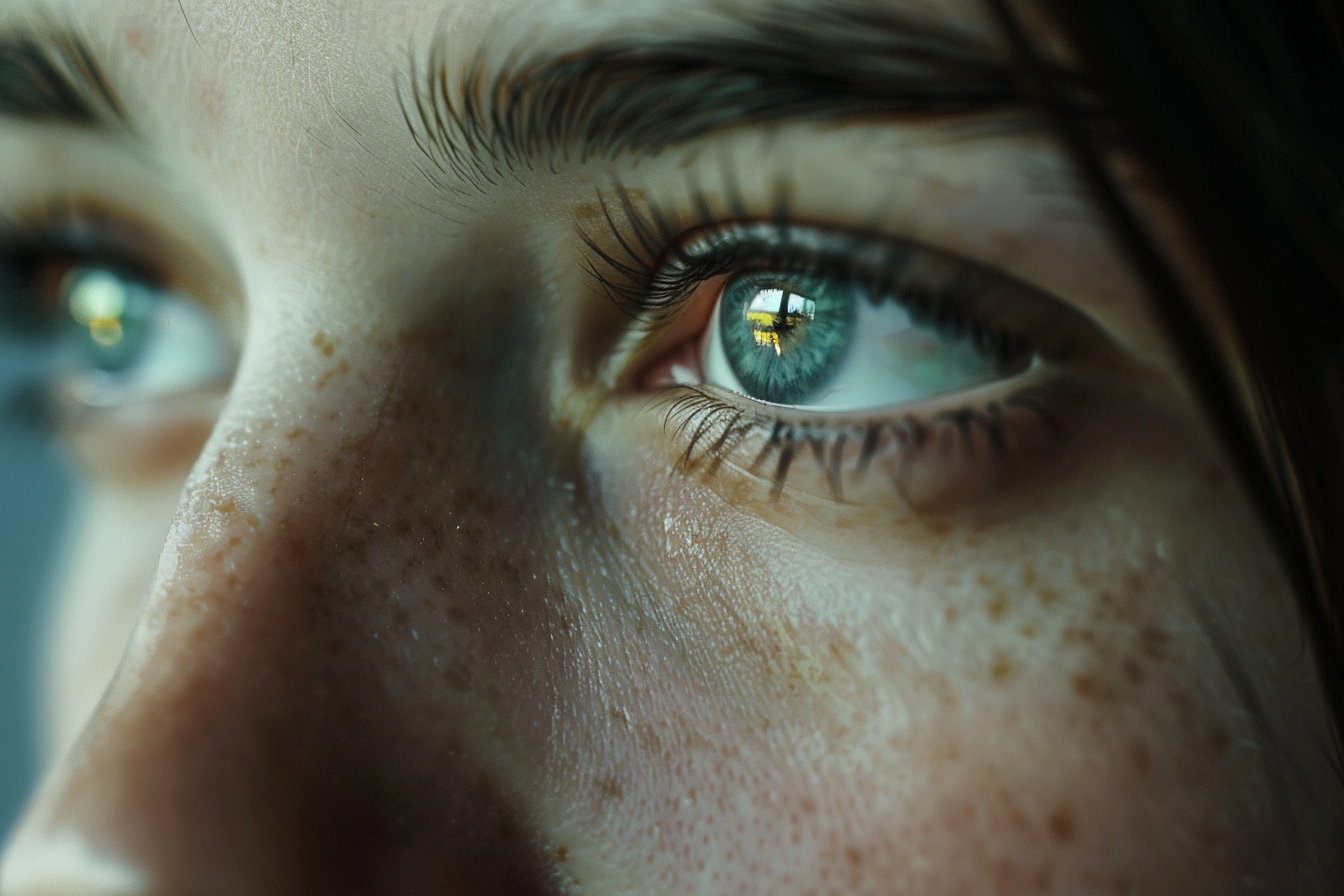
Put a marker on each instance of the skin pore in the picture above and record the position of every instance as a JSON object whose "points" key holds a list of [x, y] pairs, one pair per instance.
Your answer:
{"points": [[440, 595]]}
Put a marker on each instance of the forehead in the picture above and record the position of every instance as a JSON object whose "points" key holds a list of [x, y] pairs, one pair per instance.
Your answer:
{"points": [[301, 106]]}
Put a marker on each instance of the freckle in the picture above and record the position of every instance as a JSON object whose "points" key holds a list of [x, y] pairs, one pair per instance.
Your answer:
{"points": [[235, 541], [232, 581], [296, 434], [283, 463], [211, 100], [228, 506], [1062, 825], [610, 788], [854, 855], [997, 607], [1029, 575], [139, 41], [1049, 596], [983, 580], [1029, 631], [951, 614], [325, 344], [561, 853], [1079, 636], [1089, 687], [1001, 669]]}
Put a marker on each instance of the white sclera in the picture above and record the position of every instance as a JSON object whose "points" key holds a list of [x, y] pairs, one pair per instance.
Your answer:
{"points": [[892, 361]]}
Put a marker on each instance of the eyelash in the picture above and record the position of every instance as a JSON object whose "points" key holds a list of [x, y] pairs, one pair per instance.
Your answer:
{"points": [[654, 267]]}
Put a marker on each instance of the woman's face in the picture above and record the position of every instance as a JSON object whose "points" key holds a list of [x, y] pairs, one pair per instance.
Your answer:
{"points": [[651, 447]]}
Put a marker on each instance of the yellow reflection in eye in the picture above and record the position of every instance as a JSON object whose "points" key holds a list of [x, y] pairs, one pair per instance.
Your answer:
{"points": [[774, 311], [98, 300], [106, 331]]}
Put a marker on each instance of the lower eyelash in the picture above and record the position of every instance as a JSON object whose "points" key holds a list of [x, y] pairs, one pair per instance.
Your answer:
{"points": [[714, 428]]}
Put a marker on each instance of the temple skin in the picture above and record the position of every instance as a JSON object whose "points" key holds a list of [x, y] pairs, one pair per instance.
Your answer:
{"points": [[426, 604]]}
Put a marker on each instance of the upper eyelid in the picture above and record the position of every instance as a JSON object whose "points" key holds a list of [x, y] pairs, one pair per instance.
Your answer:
{"points": [[1053, 327]]}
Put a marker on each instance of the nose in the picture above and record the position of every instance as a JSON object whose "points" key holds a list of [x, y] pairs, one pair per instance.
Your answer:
{"points": [[320, 695]]}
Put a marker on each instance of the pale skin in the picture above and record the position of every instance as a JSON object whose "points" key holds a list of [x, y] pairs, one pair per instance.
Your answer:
{"points": [[423, 602]]}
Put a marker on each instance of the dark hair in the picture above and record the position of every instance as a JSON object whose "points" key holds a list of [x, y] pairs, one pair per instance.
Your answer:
{"points": [[1236, 109]]}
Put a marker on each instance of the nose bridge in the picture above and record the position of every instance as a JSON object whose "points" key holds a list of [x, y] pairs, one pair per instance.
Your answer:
{"points": [[324, 583]]}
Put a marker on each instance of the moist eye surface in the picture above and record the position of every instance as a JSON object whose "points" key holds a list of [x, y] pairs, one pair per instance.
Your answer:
{"points": [[785, 337], [828, 342]]}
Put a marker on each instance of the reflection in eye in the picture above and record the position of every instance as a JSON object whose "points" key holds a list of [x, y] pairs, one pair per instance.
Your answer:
{"points": [[821, 342], [125, 341]]}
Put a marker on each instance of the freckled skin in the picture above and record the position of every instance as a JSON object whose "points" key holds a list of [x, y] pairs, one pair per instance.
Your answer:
{"points": [[437, 615]]}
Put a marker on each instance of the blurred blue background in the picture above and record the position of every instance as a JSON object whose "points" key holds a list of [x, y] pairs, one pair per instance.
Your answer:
{"points": [[34, 499]]}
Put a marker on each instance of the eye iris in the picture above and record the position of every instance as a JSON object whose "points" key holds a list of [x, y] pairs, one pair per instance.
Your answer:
{"points": [[785, 337]]}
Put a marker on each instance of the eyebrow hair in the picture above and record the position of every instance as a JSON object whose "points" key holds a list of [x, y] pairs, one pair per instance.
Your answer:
{"points": [[824, 63], [53, 78]]}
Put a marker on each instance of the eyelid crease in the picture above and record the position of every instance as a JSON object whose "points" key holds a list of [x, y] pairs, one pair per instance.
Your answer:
{"points": [[829, 63]]}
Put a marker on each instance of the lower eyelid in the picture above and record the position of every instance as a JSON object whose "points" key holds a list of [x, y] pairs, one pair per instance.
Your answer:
{"points": [[926, 457]]}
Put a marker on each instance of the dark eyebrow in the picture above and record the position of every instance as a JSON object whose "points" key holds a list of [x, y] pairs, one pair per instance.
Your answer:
{"points": [[821, 63], [53, 78]]}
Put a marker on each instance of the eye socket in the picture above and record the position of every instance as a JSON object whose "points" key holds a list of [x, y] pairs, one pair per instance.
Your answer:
{"points": [[125, 340], [821, 342], [826, 321]]}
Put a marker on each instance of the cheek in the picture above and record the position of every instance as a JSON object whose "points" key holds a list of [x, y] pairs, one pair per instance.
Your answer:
{"points": [[1032, 707]]}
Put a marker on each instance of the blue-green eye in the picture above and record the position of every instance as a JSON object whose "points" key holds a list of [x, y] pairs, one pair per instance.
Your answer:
{"points": [[125, 340], [785, 338], [824, 342]]}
